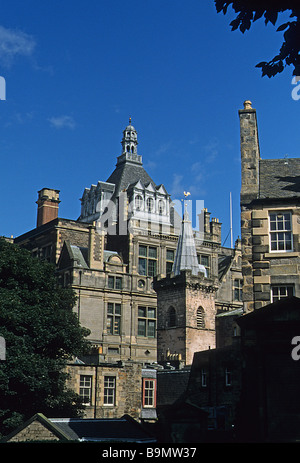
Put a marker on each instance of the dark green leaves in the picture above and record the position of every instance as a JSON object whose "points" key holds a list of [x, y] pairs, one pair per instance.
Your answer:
{"points": [[41, 331], [248, 11]]}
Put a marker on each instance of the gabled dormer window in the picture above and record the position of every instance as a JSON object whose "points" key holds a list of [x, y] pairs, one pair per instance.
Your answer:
{"points": [[150, 204], [139, 202]]}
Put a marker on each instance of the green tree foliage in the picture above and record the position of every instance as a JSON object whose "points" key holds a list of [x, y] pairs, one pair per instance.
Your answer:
{"points": [[248, 11], [42, 333]]}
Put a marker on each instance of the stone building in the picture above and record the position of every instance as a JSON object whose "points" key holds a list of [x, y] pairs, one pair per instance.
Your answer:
{"points": [[126, 234], [185, 303], [249, 389], [111, 390], [270, 200]]}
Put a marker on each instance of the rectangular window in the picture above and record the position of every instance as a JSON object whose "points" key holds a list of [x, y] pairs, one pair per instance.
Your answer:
{"points": [[149, 393], [280, 231], [204, 260], [237, 290], [113, 318], [227, 377], [85, 389], [147, 321], [170, 256], [109, 390], [114, 282], [147, 260], [281, 292]]}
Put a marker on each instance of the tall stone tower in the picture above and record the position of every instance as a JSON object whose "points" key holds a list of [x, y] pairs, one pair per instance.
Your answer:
{"points": [[250, 161], [185, 304]]}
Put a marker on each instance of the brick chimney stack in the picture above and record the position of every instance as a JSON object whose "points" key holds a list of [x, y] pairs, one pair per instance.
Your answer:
{"points": [[48, 201]]}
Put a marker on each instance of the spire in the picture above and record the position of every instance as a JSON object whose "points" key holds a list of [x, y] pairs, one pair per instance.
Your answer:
{"points": [[186, 255], [129, 140]]}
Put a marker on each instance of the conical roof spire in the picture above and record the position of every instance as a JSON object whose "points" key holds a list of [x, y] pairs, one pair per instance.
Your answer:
{"points": [[186, 255]]}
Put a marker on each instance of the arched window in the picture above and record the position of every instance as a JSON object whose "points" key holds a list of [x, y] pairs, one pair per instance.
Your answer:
{"points": [[161, 206], [150, 204], [172, 317], [200, 318], [139, 203]]}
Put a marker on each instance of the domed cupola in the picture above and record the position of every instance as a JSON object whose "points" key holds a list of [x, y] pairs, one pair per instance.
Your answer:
{"points": [[129, 140]]}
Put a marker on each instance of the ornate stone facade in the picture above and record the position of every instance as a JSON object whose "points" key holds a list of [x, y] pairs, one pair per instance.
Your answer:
{"points": [[126, 234]]}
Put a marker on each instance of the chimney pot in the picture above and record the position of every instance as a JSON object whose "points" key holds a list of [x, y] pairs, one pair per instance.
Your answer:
{"points": [[48, 201]]}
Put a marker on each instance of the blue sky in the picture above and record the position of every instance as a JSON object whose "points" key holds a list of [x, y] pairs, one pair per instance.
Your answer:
{"points": [[76, 70]]}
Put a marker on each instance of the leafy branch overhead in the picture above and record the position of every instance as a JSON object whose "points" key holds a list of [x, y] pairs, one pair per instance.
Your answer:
{"points": [[248, 11]]}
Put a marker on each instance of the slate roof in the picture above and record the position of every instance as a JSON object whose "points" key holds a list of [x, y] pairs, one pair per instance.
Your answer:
{"points": [[124, 429], [127, 173], [279, 178], [79, 255]]}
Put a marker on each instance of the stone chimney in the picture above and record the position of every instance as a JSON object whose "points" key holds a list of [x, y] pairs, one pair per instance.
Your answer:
{"points": [[48, 201], [250, 154]]}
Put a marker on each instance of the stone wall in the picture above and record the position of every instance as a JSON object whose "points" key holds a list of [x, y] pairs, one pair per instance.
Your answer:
{"points": [[186, 294], [128, 390], [35, 431]]}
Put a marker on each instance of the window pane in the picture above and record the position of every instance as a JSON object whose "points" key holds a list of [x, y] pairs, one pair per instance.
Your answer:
{"points": [[152, 252], [142, 311], [204, 261], [150, 204], [151, 329], [111, 282], [151, 312], [142, 266], [118, 284], [170, 254], [151, 268], [110, 307], [109, 325], [142, 327], [109, 390], [118, 309], [142, 250], [149, 393], [85, 389]]}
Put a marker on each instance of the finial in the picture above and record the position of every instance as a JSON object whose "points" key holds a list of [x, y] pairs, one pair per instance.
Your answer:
{"points": [[129, 120], [247, 104]]}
